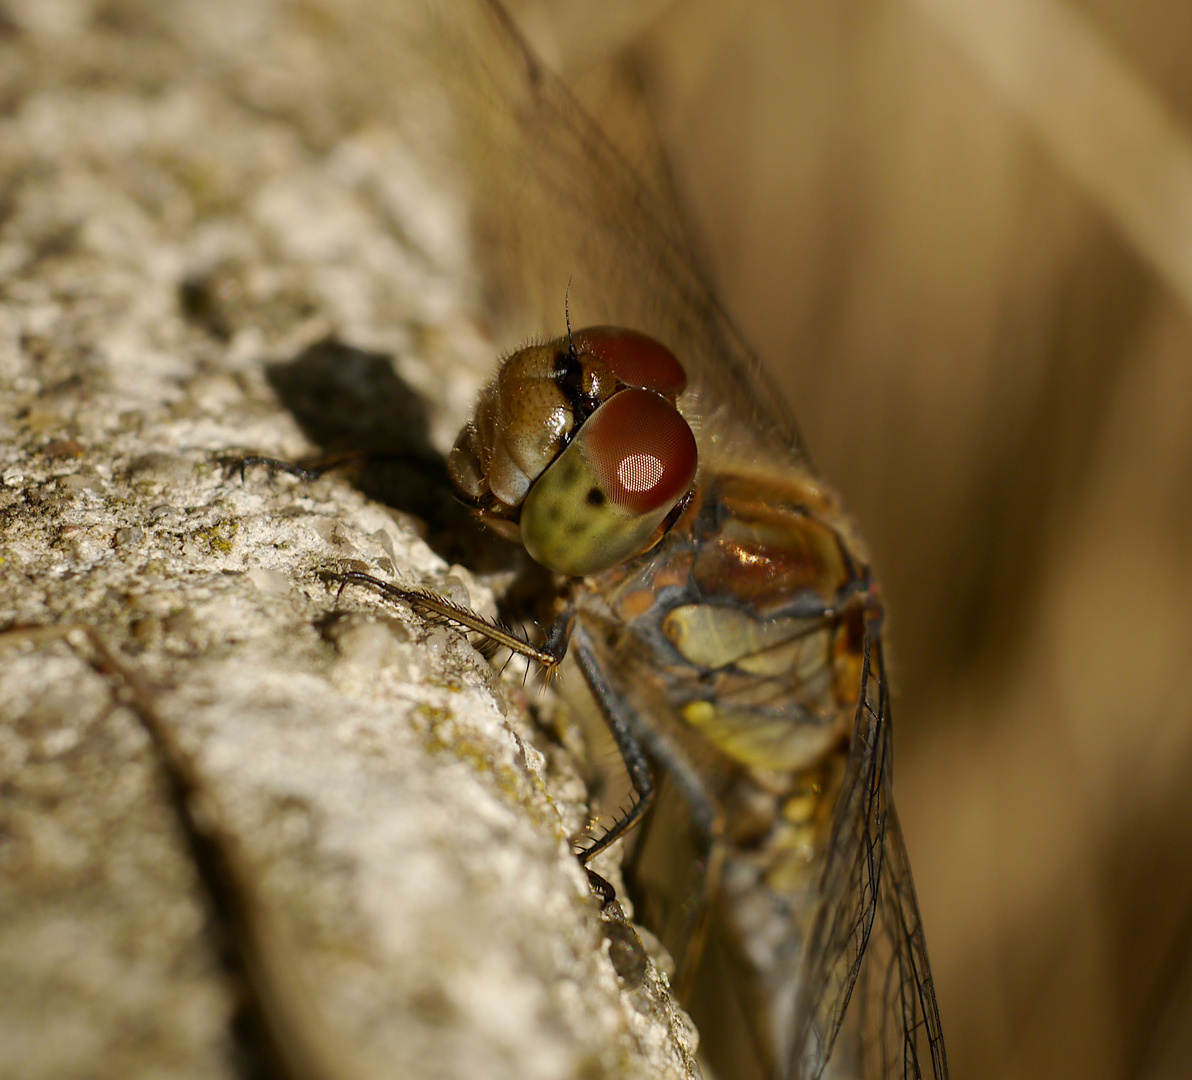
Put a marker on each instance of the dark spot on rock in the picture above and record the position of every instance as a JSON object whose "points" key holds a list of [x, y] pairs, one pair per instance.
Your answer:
{"points": [[63, 448]]}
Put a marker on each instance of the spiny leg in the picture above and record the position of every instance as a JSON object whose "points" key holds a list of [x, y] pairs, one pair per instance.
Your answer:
{"points": [[616, 711], [305, 473], [440, 608], [640, 742]]}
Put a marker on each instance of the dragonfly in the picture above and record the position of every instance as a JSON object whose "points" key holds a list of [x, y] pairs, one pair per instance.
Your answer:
{"points": [[716, 597]]}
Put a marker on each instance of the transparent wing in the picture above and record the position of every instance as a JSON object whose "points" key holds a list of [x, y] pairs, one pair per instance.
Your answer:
{"points": [[898, 1020], [866, 998], [556, 202]]}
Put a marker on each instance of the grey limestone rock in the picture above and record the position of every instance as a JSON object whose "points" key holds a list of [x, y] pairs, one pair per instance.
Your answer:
{"points": [[248, 825]]}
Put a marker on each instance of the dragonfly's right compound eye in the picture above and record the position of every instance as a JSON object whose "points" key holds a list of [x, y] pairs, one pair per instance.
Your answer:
{"points": [[605, 497]]}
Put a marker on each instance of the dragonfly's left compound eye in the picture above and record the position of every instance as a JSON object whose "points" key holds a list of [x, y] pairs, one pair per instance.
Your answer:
{"points": [[637, 359], [605, 496]]}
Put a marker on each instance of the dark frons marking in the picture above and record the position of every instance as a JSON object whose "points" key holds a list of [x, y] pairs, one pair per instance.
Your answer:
{"points": [[569, 374]]}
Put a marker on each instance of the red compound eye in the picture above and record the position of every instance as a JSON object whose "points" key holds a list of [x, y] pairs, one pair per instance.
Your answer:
{"points": [[641, 451], [638, 360]]}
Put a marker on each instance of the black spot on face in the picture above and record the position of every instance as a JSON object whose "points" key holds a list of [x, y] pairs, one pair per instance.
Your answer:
{"points": [[595, 497]]}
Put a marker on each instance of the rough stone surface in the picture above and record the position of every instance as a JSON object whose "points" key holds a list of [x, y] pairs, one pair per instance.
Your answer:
{"points": [[247, 825]]}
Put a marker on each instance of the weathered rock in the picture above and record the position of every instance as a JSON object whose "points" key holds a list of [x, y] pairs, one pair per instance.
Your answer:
{"points": [[246, 824]]}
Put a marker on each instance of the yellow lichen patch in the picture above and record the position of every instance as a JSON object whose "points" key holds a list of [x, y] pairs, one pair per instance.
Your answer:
{"points": [[218, 537]]}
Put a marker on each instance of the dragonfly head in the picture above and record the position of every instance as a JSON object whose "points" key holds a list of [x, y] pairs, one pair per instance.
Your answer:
{"points": [[577, 449]]}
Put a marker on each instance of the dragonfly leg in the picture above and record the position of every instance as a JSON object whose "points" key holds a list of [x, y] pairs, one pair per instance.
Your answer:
{"points": [[602, 887], [641, 742], [306, 473], [439, 608], [617, 711], [422, 462]]}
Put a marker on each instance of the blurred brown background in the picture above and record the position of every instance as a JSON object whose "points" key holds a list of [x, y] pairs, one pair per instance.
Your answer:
{"points": [[961, 234]]}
